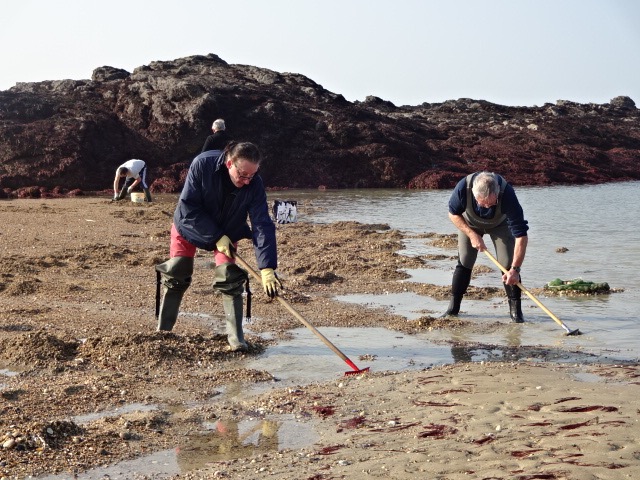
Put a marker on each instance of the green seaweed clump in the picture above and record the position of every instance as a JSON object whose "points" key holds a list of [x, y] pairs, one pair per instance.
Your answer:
{"points": [[577, 285]]}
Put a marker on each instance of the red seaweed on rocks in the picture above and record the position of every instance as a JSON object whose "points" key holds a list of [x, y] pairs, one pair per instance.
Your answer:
{"points": [[72, 134]]}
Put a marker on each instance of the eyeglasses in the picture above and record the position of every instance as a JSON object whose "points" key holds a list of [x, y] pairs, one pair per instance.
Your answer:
{"points": [[244, 177]]}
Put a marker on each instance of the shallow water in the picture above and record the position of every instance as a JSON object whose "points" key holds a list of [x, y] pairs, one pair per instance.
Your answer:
{"points": [[586, 220], [115, 412], [305, 359], [222, 440]]}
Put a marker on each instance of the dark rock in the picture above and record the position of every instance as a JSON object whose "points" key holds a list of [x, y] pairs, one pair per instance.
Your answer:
{"points": [[377, 102], [105, 74], [623, 102], [67, 136]]}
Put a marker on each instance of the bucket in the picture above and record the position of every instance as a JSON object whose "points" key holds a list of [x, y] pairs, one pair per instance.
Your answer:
{"points": [[285, 211], [137, 197]]}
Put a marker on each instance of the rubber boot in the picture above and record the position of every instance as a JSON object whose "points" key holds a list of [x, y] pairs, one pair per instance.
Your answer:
{"points": [[147, 195], [454, 306], [515, 303], [229, 280], [176, 278], [232, 305], [459, 285]]}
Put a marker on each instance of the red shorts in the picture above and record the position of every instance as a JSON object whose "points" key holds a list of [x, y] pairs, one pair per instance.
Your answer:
{"points": [[181, 248]]}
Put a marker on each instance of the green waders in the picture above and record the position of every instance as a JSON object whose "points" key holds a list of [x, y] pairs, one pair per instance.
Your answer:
{"points": [[230, 280], [175, 277]]}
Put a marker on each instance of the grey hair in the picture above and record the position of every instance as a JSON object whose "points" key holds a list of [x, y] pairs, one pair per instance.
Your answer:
{"points": [[218, 124], [485, 184]]}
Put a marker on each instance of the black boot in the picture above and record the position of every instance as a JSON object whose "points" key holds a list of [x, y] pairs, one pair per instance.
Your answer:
{"points": [[454, 306], [515, 303], [459, 285], [147, 195], [515, 310]]}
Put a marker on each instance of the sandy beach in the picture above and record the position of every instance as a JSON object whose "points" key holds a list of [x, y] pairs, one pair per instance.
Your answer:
{"points": [[77, 338]]}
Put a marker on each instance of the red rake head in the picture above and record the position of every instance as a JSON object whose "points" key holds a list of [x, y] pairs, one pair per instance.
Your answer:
{"points": [[357, 371]]}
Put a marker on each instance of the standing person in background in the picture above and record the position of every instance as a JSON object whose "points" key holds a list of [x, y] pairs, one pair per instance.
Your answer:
{"points": [[135, 172], [485, 203], [221, 191], [219, 139]]}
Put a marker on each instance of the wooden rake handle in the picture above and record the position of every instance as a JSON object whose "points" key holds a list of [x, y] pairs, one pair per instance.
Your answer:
{"points": [[303, 320], [530, 295]]}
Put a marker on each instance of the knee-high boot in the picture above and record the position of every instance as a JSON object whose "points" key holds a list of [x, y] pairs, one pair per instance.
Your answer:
{"points": [[459, 285], [230, 280], [175, 279], [232, 305], [514, 294], [147, 195]]}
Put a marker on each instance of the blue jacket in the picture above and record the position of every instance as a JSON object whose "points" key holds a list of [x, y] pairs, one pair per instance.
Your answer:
{"points": [[199, 218]]}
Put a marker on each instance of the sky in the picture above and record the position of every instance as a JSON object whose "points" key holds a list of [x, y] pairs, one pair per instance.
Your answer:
{"points": [[509, 52]]}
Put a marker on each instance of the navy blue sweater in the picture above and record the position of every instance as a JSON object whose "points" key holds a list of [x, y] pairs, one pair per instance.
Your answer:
{"points": [[509, 203], [199, 215]]}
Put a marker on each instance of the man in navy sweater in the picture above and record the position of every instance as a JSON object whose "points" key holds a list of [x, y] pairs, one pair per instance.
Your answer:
{"points": [[484, 203]]}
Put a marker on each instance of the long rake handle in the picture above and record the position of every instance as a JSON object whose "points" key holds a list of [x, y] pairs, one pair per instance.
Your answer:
{"points": [[296, 314], [529, 294]]}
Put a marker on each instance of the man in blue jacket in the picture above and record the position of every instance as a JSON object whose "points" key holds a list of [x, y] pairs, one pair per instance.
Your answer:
{"points": [[485, 203], [222, 189]]}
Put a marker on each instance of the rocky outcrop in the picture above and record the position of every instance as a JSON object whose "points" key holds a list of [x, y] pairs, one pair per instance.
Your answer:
{"points": [[70, 135]]}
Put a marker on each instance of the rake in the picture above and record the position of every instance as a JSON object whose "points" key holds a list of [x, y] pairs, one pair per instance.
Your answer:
{"points": [[306, 323], [530, 295]]}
